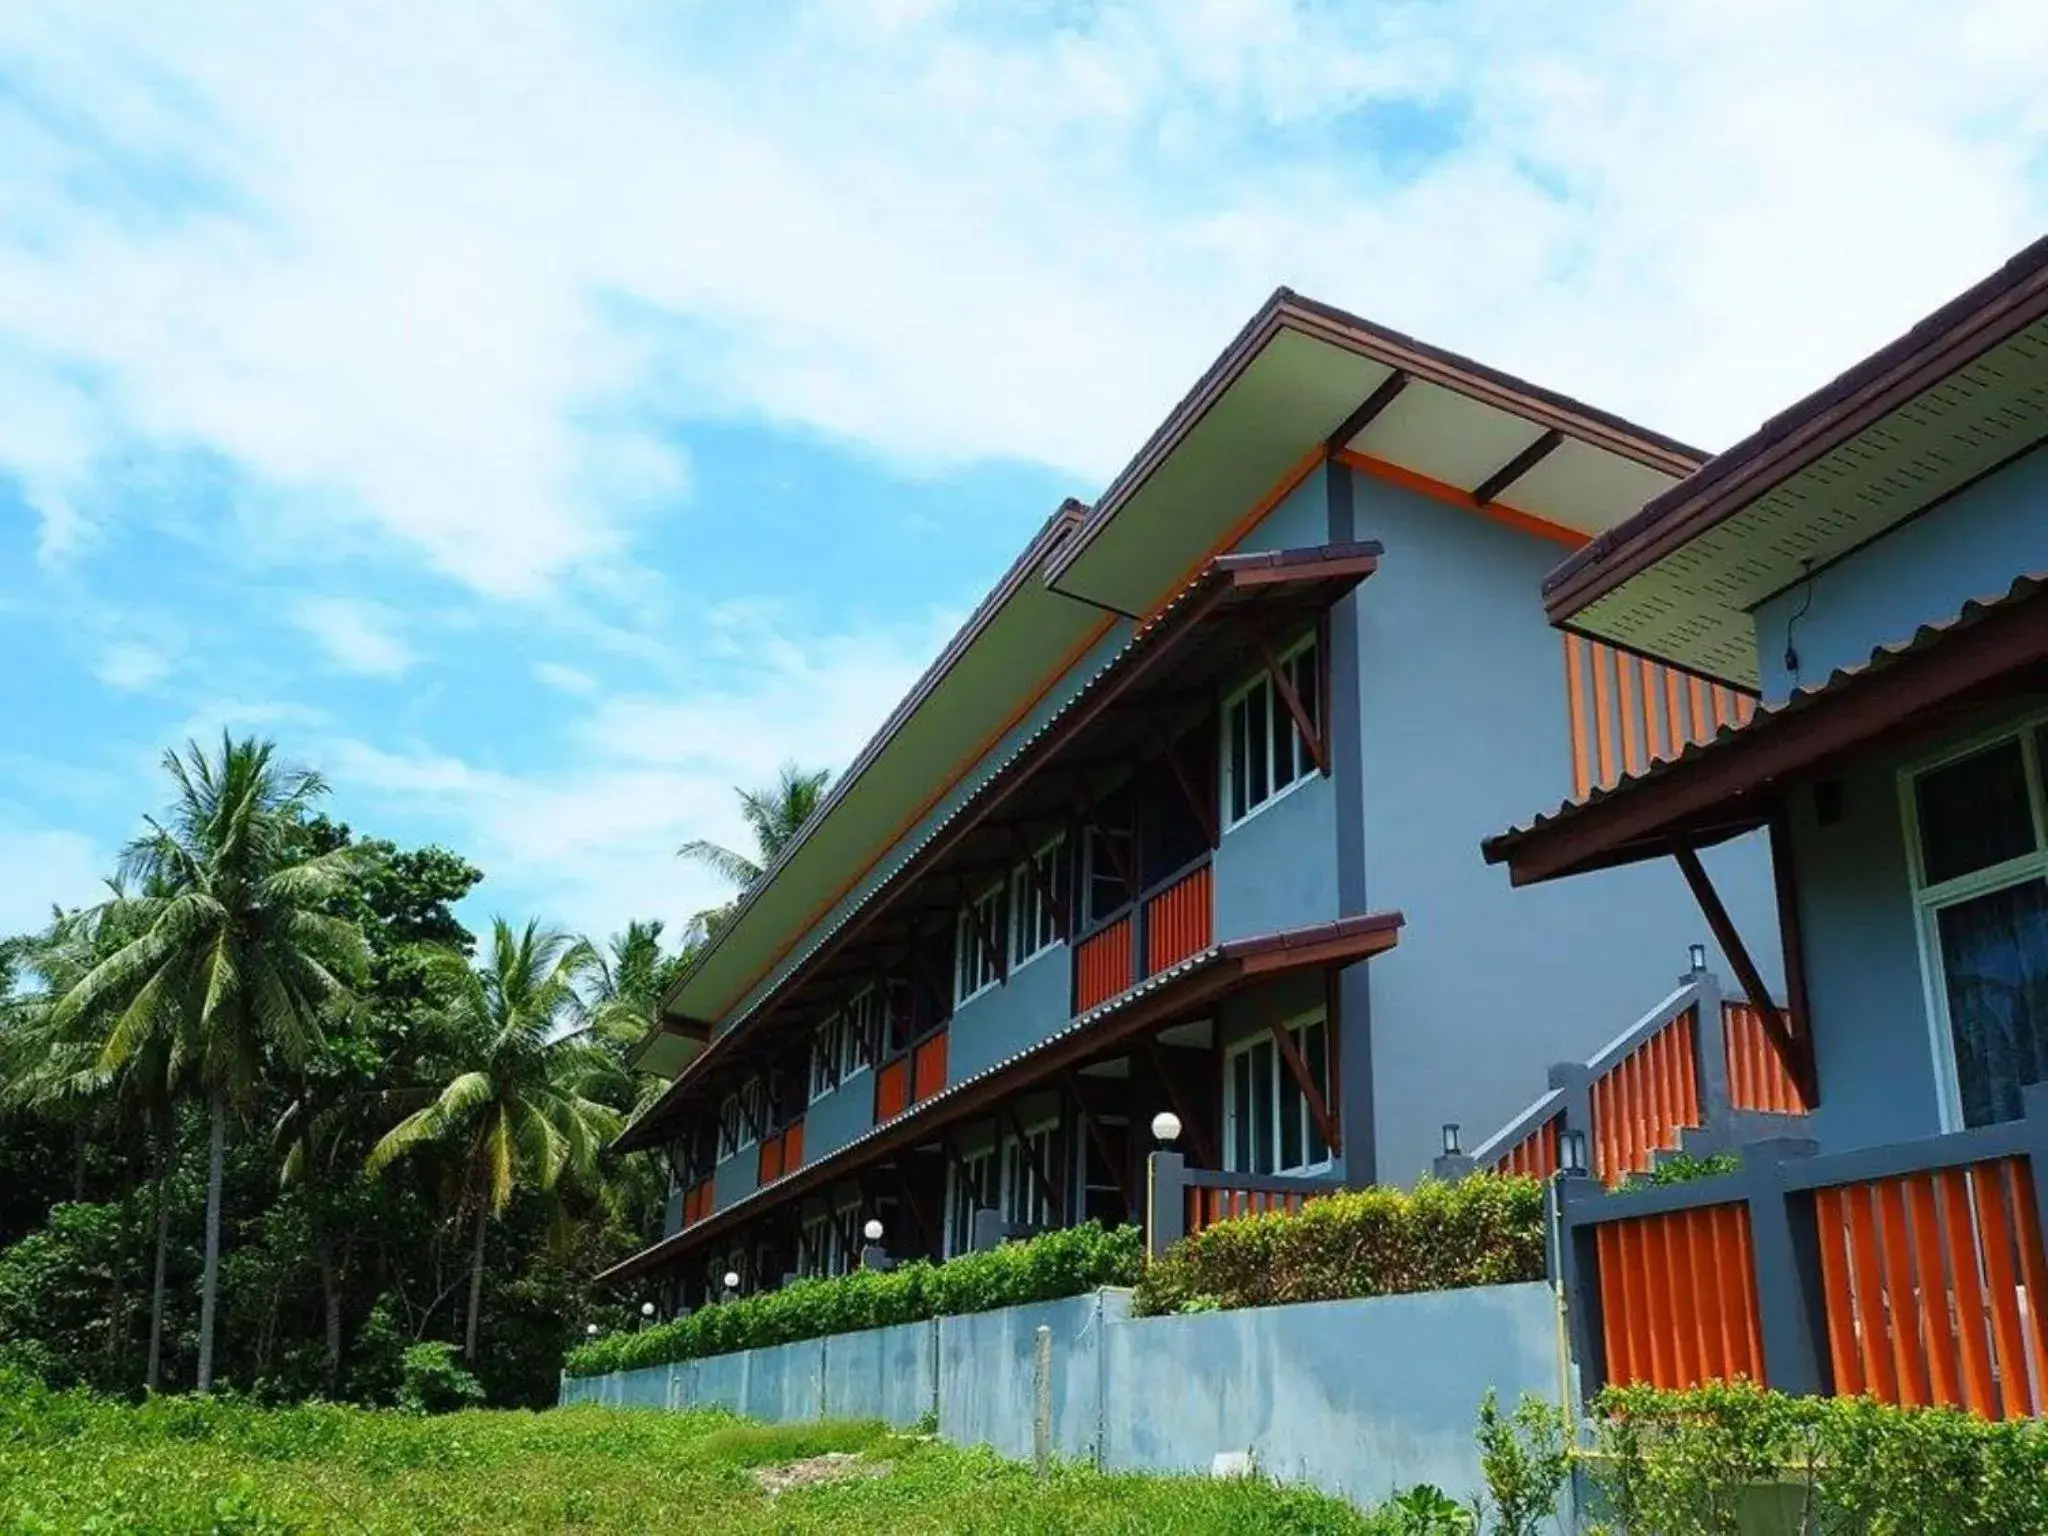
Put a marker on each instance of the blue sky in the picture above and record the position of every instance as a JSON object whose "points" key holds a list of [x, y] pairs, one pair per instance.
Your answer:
{"points": [[543, 417]]}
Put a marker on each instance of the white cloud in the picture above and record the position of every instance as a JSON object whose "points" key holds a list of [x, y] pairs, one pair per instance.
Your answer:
{"points": [[565, 679], [356, 634], [447, 274], [130, 665], [592, 841]]}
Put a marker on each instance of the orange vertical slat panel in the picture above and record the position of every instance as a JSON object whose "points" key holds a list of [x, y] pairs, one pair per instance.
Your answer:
{"points": [[1663, 1335], [1603, 712], [1973, 1340], [928, 1071], [1994, 1241], [1613, 1304], [1637, 1288], [1898, 1282], [1575, 711], [1745, 707], [1752, 1323], [1653, 711], [1832, 1222], [1937, 1337], [793, 1148], [1688, 1067], [1625, 686], [1879, 1373], [892, 1090], [2033, 1272], [1703, 1259], [1738, 1289], [1697, 693], [1687, 1360], [1674, 695]]}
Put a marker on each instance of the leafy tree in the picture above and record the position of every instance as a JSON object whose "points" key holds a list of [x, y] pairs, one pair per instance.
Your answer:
{"points": [[774, 815], [525, 1103], [234, 962]]}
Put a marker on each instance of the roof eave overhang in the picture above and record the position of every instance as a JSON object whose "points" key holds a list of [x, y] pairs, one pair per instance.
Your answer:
{"points": [[1732, 783], [1194, 984], [1991, 312]]}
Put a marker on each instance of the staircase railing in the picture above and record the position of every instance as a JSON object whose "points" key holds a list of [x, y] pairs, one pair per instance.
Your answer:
{"points": [[1695, 1073]]}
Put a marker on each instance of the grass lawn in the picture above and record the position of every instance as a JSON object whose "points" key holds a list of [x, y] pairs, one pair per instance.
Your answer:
{"points": [[71, 1464]]}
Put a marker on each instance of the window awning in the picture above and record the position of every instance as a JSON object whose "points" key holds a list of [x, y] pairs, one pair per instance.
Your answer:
{"points": [[1116, 716], [1174, 995], [1730, 784]]}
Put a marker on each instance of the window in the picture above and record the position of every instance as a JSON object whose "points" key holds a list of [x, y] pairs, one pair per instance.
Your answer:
{"points": [[967, 1195], [1035, 921], [977, 951], [1107, 890], [824, 1245], [1026, 1199], [1267, 1126], [1263, 751], [738, 1114], [828, 1045], [863, 1028], [1978, 834], [729, 1120]]}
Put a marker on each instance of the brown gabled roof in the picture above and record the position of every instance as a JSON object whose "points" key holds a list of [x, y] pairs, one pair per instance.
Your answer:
{"points": [[1195, 982], [2010, 299], [1725, 785]]}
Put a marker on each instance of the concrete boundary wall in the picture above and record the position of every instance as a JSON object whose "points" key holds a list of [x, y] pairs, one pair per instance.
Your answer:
{"points": [[1358, 1398]]}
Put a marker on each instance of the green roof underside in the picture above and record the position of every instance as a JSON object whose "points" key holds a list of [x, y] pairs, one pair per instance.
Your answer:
{"points": [[1694, 606]]}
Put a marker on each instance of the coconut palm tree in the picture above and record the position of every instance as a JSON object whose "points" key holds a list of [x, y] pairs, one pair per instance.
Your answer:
{"points": [[526, 1105], [232, 961], [774, 816]]}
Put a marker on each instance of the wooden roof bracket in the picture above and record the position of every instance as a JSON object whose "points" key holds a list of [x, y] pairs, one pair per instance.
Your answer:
{"points": [[1794, 1051]]}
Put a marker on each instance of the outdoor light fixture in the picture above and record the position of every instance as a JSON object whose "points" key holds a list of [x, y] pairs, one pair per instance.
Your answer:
{"points": [[1698, 955], [732, 1279], [1450, 1138], [1572, 1152], [647, 1309], [590, 1330], [1166, 1127], [873, 1230]]}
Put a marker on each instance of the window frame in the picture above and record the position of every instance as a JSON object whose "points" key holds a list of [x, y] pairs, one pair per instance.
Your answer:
{"points": [[964, 931], [729, 1143], [1020, 1187], [858, 1049], [1025, 901], [1231, 1109], [1304, 767], [1931, 900], [828, 1042]]}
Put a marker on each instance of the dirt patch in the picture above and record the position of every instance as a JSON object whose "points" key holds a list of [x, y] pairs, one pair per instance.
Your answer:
{"points": [[832, 1467]]}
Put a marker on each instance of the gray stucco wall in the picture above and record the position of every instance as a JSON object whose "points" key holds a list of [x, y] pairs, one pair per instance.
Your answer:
{"points": [[1873, 1045], [890, 1374], [839, 1116], [1359, 1398], [737, 1176], [1035, 1001], [1921, 572], [1278, 868], [987, 1373], [1462, 710]]}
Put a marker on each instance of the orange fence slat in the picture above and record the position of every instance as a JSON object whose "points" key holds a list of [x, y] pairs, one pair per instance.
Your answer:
{"points": [[1179, 921], [1831, 1224], [1995, 1243], [1937, 1336], [2033, 1273], [1973, 1341], [928, 1068], [1909, 1355], [1678, 1299], [1879, 1373], [793, 1148], [892, 1090], [1575, 709], [1102, 965]]}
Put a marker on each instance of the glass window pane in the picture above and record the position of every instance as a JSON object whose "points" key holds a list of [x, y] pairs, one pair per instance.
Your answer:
{"points": [[1263, 1093], [1315, 1052], [1293, 1110], [1257, 785], [1240, 763], [1240, 1150], [1994, 960], [1308, 685], [1284, 736], [1974, 813]]}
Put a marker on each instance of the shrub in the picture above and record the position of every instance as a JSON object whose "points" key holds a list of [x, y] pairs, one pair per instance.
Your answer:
{"points": [[1684, 1168], [432, 1381], [1049, 1266], [1484, 1230], [1689, 1464]]}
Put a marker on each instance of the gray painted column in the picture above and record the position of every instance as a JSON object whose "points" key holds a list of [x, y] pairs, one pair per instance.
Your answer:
{"points": [[1347, 770], [1166, 1206], [1785, 1252], [1574, 1264]]}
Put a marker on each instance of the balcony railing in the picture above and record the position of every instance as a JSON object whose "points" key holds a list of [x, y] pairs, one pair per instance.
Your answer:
{"points": [[1169, 922], [1183, 1201], [782, 1153], [912, 1078]]}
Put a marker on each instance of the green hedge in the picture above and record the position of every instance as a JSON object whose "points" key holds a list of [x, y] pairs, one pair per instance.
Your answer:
{"points": [[1705, 1461], [1049, 1266], [1484, 1230]]}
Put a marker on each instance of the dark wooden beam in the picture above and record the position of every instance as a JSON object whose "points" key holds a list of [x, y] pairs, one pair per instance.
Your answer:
{"points": [[1193, 1122], [1199, 803], [1792, 939], [1284, 685], [1062, 920], [1789, 1050], [1318, 1108], [1030, 1158], [1116, 1168], [1494, 484], [1386, 394]]}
